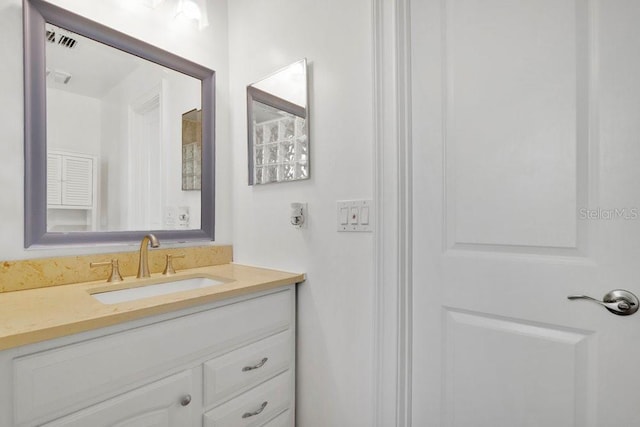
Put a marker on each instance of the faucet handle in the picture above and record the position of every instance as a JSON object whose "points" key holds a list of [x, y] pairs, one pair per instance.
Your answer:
{"points": [[168, 268], [115, 275]]}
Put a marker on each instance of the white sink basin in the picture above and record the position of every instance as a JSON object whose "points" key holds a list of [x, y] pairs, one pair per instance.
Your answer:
{"points": [[140, 292]]}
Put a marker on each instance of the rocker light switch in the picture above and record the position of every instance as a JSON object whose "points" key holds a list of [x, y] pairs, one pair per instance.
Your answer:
{"points": [[343, 216], [354, 215], [364, 215]]}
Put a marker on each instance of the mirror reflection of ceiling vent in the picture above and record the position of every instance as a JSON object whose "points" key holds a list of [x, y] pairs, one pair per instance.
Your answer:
{"points": [[60, 76], [60, 39], [67, 41]]}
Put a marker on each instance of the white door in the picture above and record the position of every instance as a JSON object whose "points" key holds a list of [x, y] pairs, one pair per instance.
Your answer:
{"points": [[146, 199], [526, 189], [77, 181], [54, 179]]}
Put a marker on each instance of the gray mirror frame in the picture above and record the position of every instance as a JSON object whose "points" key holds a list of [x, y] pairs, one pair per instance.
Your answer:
{"points": [[35, 14]]}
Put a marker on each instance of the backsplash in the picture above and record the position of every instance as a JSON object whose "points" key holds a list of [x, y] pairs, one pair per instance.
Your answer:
{"points": [[44, 272]]}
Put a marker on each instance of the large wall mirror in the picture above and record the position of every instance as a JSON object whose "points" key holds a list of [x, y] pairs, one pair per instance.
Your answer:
{"points": [[106, 120], [278, 126]]}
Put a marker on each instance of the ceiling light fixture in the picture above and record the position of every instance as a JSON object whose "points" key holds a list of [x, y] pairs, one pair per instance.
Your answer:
{"points": [[192, 10], [189, 9]]}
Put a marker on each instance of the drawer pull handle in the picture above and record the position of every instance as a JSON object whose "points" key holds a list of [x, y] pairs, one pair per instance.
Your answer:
{"points": [[256, 412], [185, 400], [259, 365]]}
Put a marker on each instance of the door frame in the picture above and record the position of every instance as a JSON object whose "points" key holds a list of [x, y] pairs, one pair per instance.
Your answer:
{"points": [[392, 169], [154, 98]]}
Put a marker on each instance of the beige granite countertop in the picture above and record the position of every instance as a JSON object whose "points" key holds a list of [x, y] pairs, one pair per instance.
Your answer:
{"points": [[39, 273], [35, 315]]}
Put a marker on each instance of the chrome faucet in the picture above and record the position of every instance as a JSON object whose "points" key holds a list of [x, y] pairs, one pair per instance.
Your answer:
{"points": [[143, 264]]}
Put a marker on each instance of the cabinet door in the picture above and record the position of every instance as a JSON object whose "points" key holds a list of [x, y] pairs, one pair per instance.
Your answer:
{"points": [[54, 179], [159, 404], [77, 181]]}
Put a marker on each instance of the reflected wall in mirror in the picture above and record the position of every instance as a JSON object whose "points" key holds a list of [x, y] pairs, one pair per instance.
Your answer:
{"points": [[278, 123], [191, 150], [105, 157]]}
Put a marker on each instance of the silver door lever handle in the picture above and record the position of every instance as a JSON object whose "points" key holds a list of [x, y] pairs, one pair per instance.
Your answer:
{"points": [[617, 306], [618, 301]]}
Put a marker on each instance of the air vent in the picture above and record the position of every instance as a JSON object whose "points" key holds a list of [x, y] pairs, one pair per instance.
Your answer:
{"points": [[62, 40], [67, 42]]}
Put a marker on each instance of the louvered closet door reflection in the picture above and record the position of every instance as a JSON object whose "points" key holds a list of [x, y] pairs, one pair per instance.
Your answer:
{"points": [[54, 179], [77, 181]]}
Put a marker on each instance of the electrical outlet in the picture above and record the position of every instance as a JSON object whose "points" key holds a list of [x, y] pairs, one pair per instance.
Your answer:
{"points": [[298, 215]]}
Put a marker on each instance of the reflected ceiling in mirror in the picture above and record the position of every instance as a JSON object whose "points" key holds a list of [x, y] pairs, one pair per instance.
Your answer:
{"points": [[277, 122], [104, 135]]}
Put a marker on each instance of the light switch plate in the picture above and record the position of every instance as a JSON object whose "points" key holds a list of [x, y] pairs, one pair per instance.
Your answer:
{"points": [[350, 218]]}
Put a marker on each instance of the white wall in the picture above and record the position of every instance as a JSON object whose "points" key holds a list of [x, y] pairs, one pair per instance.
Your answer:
{"points": [[153, 26], [11, 130], [73, 122], [335, 303]]}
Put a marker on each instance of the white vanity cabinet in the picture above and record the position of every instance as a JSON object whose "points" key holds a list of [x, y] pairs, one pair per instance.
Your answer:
{"points": [[229, 363]]}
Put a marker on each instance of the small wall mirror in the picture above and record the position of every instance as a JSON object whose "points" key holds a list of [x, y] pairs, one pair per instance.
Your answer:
{"points": [[192, 150], [118, 135], [278, 126]]}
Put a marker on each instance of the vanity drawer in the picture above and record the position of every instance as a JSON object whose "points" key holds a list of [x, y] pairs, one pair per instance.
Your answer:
{"points": [[56, 382], [256, 407], [242, 369], [285, 419]]}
